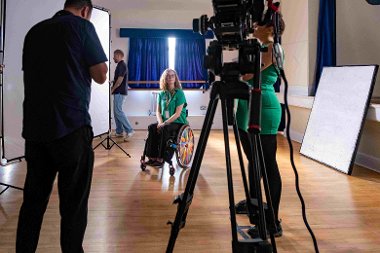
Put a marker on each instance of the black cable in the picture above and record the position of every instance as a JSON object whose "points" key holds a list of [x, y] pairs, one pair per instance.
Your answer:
{"points": [[282, 72]]}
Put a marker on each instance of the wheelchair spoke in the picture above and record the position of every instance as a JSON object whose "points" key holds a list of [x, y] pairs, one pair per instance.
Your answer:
{"points": [[185, 144]]}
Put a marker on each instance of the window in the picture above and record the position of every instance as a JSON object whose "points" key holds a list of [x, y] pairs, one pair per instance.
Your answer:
{"points": [[172, 43], [149, 57]]}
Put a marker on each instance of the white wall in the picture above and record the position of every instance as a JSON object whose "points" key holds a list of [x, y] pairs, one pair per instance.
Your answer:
{"points": [[296, 42], [358, 34]]}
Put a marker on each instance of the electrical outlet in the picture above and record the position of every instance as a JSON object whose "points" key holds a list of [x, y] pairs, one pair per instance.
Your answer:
{"points": [[203, 107]]}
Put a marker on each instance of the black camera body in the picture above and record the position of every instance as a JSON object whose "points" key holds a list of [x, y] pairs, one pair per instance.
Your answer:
{"points": [[232, 23]]}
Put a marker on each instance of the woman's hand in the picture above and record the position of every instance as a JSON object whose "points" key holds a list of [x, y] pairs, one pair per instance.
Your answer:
{"points": [[247, 77], [160, 125]]}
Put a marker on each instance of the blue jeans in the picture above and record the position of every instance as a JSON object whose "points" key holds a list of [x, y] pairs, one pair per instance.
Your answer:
{"points": [[122, 123]]}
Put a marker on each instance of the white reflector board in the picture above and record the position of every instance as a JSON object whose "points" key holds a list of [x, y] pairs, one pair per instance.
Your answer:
{"points": [[99, 105], [20, 16], [338, 114]]}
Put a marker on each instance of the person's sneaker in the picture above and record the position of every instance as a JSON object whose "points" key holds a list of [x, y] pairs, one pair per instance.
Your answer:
{"points": [[254, 233], [117, 135], [129, 135], [241, 207]]}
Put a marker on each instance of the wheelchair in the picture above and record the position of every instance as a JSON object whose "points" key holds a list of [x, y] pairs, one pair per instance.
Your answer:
{"points": [[181, 143]]}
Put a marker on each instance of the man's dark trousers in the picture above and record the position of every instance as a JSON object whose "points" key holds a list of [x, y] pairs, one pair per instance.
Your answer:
{"points": [[72, 158]]}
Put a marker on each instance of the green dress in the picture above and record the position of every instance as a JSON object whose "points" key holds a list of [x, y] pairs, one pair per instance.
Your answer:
{"points": [[270, 106], [169, 103]]}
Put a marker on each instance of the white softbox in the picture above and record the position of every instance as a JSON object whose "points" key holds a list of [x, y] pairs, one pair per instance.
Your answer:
{"points": [[20, 16]]}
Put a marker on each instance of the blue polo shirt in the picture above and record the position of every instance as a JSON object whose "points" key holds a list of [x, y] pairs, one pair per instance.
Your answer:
{"points": [[121, 70], [57, 55]]}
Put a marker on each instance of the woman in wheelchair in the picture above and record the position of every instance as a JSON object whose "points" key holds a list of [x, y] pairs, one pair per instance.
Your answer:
{"points": [[171, 116]]}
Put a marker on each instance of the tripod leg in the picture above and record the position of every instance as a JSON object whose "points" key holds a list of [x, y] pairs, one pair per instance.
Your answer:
{"points": [[108, 147], [184, 200], [243, 174], [125, 152], [268, 196], [229, 173], [256, 174], [7, 186], [100, 143]]}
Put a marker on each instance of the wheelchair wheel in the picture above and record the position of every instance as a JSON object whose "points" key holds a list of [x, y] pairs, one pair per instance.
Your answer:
{"points": [[171, 170], [142, 163], [185, 148]]}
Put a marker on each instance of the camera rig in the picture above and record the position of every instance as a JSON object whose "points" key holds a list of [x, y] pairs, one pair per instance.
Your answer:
{"points": [[233, 26]]}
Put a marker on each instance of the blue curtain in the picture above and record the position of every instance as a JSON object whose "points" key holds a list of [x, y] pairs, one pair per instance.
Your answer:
{"points": [[189, 55], [326, 51], [148, 58]]}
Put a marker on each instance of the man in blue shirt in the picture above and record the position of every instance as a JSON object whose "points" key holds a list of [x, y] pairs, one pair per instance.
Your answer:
{"points": [[57, 124], [120, 92]]}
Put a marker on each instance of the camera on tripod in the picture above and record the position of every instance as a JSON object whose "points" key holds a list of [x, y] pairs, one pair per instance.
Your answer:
{"points": [[232, 23]]}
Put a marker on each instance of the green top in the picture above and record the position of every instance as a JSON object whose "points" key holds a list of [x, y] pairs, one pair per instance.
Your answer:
{"points": [[169, 103], [270, 106]]}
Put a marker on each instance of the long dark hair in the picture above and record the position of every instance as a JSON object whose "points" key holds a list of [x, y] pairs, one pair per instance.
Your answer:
{"points": [[281, 28]]}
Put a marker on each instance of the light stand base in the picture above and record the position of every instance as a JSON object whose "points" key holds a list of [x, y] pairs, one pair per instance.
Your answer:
{"points": [[7, 186], [108, 146]]}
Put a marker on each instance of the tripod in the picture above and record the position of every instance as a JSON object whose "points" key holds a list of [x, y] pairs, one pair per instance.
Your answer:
{"points": [[108, 139], [229, 88]]}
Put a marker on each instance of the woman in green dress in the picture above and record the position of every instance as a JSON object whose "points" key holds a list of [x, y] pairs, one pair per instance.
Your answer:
{"points": [[270, 120], [171, 115]]}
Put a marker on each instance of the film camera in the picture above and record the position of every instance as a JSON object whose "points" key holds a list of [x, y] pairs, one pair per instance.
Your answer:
{"points": [[233, 23]]}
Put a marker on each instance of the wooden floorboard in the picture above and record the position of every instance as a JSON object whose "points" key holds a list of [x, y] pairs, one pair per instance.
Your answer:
{"points": [[128, 208]]}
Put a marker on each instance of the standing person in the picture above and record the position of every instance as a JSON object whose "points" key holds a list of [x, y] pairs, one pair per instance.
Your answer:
{"points": [[270, 120], [120, 92], [57, 124], [171, 115]]}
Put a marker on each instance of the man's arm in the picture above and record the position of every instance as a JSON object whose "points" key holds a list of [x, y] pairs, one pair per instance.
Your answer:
{"points": [[117, 83], [98, 72]]}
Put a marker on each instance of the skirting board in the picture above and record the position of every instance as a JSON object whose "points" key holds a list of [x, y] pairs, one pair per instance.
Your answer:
{"points": [[368, 161], [295, 136], [364, 160]]}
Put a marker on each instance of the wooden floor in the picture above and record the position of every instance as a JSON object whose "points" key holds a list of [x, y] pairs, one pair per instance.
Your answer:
{"points": [[128, 208]]}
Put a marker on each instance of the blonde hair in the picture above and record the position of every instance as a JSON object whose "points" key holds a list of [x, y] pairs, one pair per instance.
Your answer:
{"points": [[164, 84]]}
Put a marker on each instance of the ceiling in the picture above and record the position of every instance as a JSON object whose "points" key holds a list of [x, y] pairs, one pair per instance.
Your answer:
{"points": [[203, 6]]}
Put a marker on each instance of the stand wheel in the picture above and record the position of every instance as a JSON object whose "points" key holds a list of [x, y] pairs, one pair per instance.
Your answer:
{"points": [[171, 170]]}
